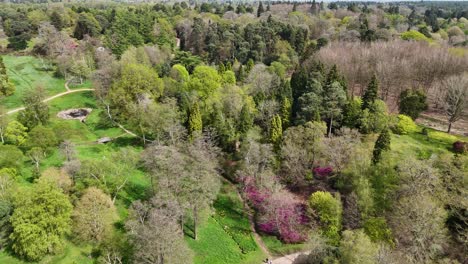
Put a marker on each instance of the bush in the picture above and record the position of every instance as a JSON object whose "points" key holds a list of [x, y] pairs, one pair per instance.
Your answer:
{"points": [[404, 125], [329, 210], [377, 230], [460, 147], [414, 35]]}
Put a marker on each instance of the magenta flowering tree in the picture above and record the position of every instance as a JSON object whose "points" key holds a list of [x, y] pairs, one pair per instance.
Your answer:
{"points": [[322, 172]]}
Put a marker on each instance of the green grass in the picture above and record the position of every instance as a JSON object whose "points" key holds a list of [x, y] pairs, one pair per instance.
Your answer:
{"points": [[278, 248], [26, 73], [226, 238], [71, 254], [423, 146]]}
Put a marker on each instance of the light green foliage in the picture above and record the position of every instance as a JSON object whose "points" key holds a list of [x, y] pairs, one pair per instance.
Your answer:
{"points": [[205, 81], [286, 108], [41, 218], [405, 125], [374, 118], [382, 144], [357, 248], [136, 81], [10, 157], [195, 121], [229, 77], [352, 113], [378, 231], [329, 211], [42, 137], [6, 86], [276, 130], [415, 35], [179, 73], [15, 133]]}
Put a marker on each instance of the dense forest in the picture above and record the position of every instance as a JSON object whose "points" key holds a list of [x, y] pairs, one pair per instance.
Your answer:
{"points": [[234, 132]]}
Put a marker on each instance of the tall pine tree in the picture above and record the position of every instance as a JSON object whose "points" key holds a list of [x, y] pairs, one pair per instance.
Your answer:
{"points": [[371, 93], [260, 9], [382, 144], [276, 130]]}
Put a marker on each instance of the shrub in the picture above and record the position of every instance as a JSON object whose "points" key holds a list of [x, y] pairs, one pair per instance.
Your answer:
{"points": [[329, 210], [415, 36], [322, 172], [377, 230], [404, 125], [460, 147]]}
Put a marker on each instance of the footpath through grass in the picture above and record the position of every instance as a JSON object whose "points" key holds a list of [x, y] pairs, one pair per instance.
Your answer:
{"points": [[27, 72]]}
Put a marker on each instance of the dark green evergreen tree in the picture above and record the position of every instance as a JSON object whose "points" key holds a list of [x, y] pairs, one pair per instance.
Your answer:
{"points": [[245, 120], [260, 9], [412, 103], [382, 144], [36, 112], [371, 93]]}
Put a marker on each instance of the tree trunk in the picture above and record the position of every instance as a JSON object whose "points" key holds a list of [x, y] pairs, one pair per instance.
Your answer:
{"points": [[195, 220], [449, 127], [1, 137], [330, 128]]}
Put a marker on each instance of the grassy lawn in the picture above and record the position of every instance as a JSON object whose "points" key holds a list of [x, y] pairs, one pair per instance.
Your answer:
{"points": [[26, 72], [278, 248], [71, 254], [226, 237], [423, 146]]}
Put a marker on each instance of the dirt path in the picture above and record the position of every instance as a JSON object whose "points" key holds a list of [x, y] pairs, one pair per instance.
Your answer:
{"points": [[52, 98], [289, 259]]}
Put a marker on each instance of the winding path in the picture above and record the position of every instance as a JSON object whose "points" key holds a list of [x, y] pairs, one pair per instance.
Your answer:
{"points": [[52, 98]]}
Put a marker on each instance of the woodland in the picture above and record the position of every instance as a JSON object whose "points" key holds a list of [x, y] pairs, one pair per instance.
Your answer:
{"points": [[225, 132]]}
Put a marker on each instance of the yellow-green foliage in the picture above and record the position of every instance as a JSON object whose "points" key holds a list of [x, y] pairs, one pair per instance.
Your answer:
{"points": [[328, 210], [414, 35], [405, 125]]}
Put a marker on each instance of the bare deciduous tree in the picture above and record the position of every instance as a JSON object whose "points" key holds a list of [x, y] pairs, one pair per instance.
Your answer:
{"points": [[456, 98]]}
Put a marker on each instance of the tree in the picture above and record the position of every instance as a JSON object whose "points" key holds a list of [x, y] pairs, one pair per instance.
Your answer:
{"points": [[156, 235], [260, 9], [245, 120], [56, 20], [36, 112], [137, 83], [10, 157], [371, 93], [15, 133], [276, 130], [333, 102], [7, 88], [93, 216], [43, 138], [3, 124], [456, 100], [41, 218], [187, 172], [110, 174], [19, 34], [418, 223], [328, 210], [300, 149], [36, 155], [404, 125], [67, 149], [412, 103], [195, 121], [357, 248], [86, 24], [382, 144]]}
